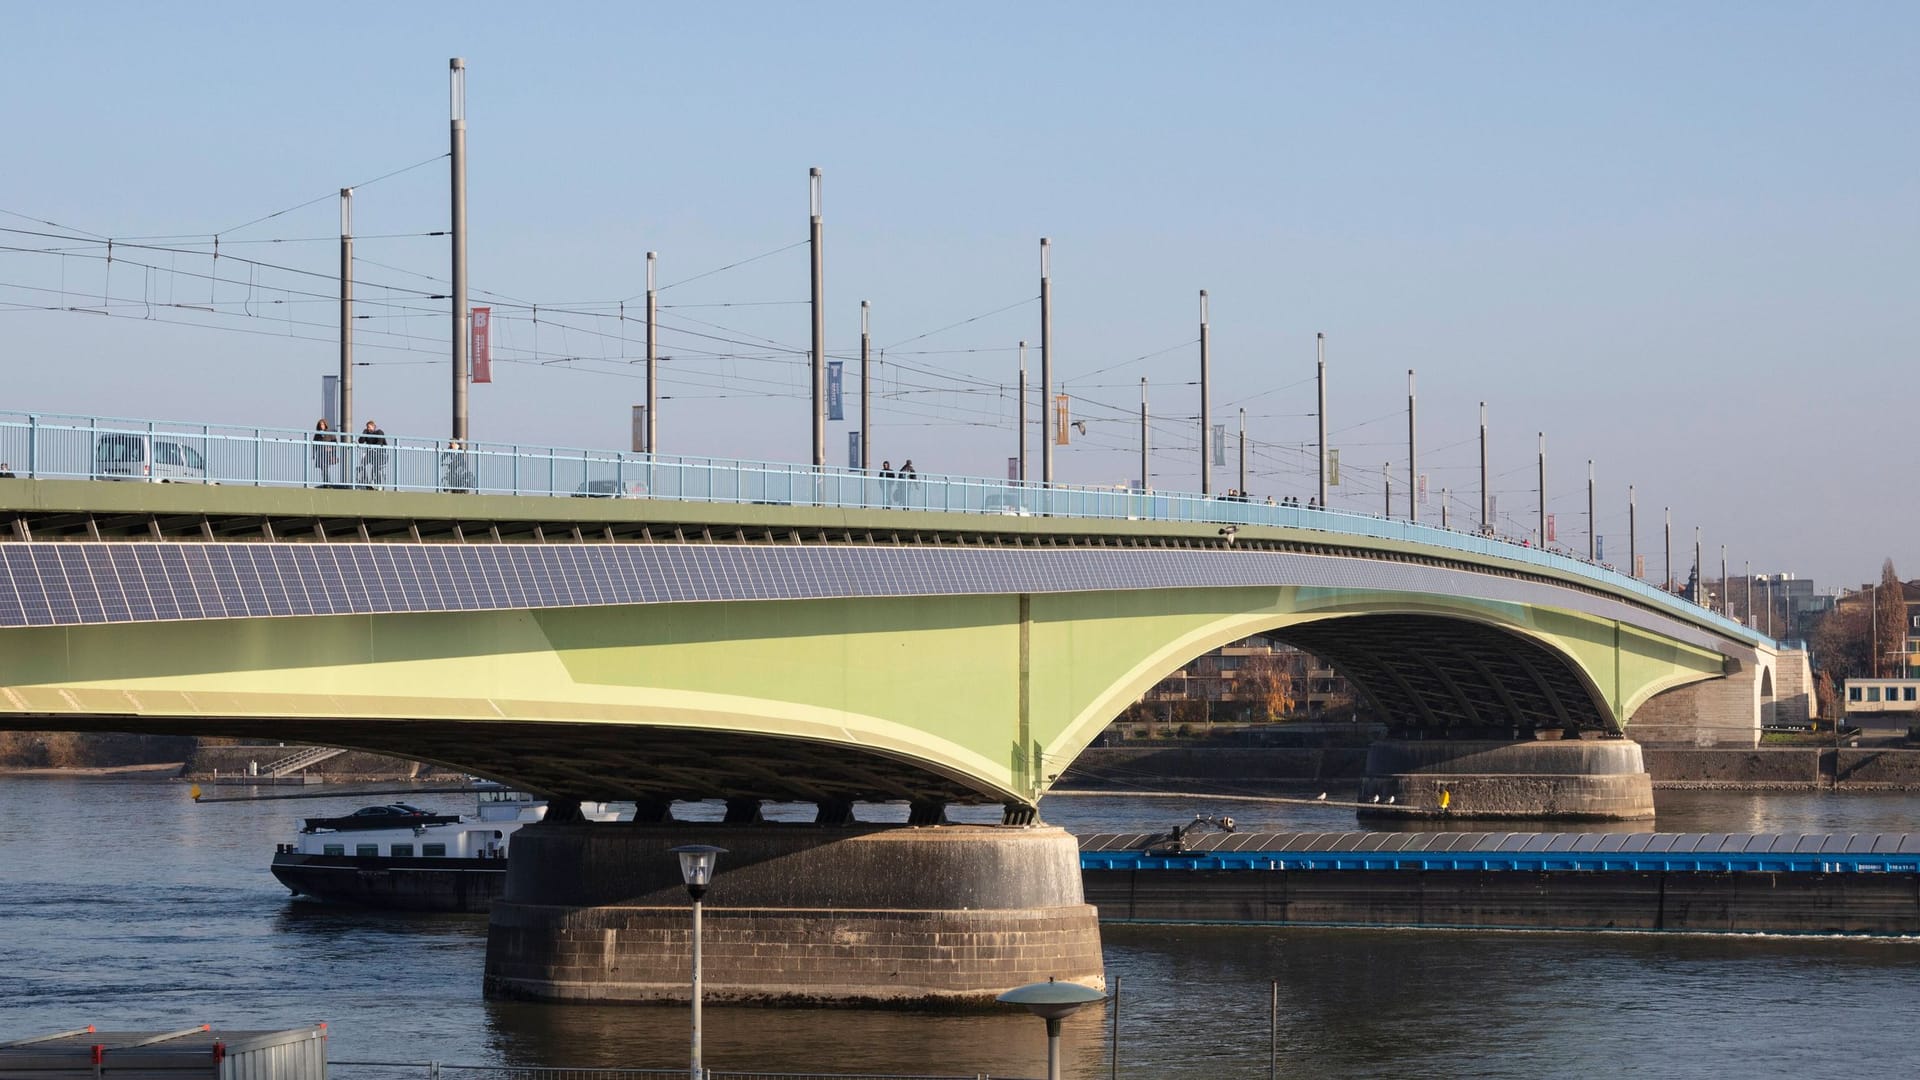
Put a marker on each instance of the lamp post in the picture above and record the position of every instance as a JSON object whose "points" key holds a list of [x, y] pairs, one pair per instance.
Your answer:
{"points": [[1052, 1001], [696, 868]]}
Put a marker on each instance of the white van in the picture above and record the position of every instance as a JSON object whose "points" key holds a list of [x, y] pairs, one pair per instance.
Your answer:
{"points": [[150, 458]]}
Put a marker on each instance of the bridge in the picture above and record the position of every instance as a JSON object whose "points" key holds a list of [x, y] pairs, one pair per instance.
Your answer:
{"points": [[751, 631], [754, 631]]}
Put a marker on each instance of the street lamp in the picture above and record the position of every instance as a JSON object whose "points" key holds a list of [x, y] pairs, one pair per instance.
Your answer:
{"points": [[1052, 1001], [696, 868]]}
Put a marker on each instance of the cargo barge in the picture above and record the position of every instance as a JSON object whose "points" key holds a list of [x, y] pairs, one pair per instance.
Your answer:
{"points": [[1861, 883]]}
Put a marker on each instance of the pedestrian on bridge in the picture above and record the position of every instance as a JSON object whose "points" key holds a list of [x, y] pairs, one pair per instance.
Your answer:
{"points": [[886, 483], [907, 485], [373, 454], [324, 453], [457, 471]]}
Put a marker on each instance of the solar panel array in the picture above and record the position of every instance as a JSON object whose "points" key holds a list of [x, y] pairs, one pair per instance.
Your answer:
{"points": [[64, 583]]}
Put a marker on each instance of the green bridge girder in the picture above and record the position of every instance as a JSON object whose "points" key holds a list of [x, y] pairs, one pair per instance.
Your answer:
{"points": [[979, 698]]}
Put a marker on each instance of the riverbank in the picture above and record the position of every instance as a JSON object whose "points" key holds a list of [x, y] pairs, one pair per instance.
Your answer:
{"points": [[1256, 770]]}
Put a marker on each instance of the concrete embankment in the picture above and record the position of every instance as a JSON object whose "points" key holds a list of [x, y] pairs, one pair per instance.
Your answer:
{"points": [[1249, 768], [352, 766], [1786, 768], [1242, 766]]}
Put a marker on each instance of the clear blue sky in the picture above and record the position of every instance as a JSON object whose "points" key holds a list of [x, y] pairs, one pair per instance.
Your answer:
{"points": [[1683, 240]]}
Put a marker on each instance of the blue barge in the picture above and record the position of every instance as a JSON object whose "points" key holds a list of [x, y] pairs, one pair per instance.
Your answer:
{"points": [[1838, 883]]}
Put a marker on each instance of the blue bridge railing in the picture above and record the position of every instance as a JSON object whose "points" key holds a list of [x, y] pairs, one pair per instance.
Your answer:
{"points": [[72, 447]]}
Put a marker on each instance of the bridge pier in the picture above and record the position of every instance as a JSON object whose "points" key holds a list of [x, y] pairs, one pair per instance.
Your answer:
{"points": [[1568, 779], [797, 914]]}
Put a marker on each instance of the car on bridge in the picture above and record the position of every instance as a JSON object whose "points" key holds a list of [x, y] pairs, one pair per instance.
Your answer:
{"points": [[608, 489], [1005, 504], [148, 458]]}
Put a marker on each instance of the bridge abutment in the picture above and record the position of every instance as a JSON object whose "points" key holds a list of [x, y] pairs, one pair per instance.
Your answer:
{"points": [[797, 914], [1571, 779]]}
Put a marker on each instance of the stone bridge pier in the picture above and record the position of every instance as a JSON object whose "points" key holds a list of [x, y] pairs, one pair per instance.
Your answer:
{"points": [[843, 915]]}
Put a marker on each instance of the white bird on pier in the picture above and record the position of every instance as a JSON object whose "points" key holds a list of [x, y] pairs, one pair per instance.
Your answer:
{"points": [[1376, 798], [1322, 797], [1390, 799]]}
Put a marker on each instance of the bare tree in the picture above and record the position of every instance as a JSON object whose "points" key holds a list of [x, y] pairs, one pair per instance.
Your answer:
{"points": [[1840, 640], [1267, 679], [1890, 626], [1827, 696]]}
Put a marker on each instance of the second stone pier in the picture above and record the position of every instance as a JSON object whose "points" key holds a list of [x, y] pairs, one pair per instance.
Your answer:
{"points": [[902, 916], [1570, 779]]}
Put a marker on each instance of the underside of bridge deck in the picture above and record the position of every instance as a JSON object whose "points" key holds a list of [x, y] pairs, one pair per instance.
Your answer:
{"points": [[1450, 676], [648, 765]]}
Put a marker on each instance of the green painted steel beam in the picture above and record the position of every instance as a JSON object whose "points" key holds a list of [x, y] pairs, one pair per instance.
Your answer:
{"points": [[981, 697]]}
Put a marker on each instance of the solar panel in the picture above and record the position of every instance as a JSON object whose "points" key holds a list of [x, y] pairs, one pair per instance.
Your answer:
{"points": [[73, 582]]}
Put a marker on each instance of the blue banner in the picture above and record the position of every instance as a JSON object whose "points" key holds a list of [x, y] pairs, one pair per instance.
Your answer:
{"points": [[853, 449], [833, 390]]}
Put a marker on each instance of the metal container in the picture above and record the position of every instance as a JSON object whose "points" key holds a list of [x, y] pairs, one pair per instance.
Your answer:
{"points": [[190, 1054]]}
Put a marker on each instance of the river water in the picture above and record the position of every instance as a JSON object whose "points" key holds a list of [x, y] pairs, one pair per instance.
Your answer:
{"points": [[125, 905]]}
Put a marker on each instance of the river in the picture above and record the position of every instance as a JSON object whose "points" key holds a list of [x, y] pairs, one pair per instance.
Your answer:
{"points": [[125, 905]]}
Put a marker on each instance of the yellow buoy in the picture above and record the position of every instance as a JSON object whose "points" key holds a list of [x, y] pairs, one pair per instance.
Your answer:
{"points": [[1446, 797], [195, 792]]}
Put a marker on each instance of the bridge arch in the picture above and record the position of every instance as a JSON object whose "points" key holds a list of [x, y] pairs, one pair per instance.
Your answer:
{"points": [[1423, 668]]}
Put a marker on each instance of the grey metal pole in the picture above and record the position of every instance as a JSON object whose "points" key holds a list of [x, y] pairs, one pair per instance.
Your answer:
{"points": [[1023, 412], [1243, 453], [866, 384], [1113, 1059], [697, 1072], [1273, 1033], [1146, 459], [457, 95], [1486, 519], [1046, 360], [1443, 508], [1725, 599], [819, 324], [1746, 571], [1543, 489], [1320, 350], [346, 310], [1669, 567], [651, 439], [1053, 1048], [1386, 473], [1633, 536], [1700, 567], [1593, 547], [1206, 406], [1413, 457]]}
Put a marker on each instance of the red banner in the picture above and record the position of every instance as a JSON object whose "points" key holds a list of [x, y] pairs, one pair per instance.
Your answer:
{"points": [[482, 342]]}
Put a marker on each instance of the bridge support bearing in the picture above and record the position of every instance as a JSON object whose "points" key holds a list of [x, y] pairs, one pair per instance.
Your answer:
{"points": [[867, 915], [1575, 780]]}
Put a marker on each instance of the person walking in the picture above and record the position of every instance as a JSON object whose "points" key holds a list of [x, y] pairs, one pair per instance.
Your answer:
{"points": [[908, 488], [457, 475], [373, 454], [886, 484], [324, 453]]}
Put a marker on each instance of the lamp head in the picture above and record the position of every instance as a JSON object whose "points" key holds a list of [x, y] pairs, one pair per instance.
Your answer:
{"points": [[1052, 1000], [696, 866]]}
